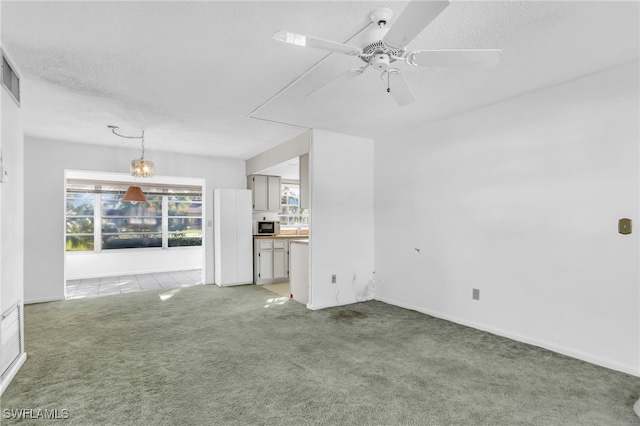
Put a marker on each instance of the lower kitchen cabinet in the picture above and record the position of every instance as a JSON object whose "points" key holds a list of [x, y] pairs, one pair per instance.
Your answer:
{"points": [[271, 260]]}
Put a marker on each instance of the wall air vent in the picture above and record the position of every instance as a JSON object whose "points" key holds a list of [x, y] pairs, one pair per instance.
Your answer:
{"points": [[10, 80], [11, 337]]}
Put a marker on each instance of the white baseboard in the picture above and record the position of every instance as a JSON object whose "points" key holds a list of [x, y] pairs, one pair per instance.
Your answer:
{"points": [[520, 338], [43, 300], [233, 284], [11, 372], [331, 305]]}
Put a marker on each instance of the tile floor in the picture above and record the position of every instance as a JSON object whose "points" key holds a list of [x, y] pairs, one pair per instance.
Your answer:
{"points": [[280, 288], [104, 286]]}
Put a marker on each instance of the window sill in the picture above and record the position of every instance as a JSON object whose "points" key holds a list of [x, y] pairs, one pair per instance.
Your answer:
{"points": [[130, 250]]}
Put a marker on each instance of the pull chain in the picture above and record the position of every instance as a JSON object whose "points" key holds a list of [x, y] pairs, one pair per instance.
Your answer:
{"points": [[388, 78]]}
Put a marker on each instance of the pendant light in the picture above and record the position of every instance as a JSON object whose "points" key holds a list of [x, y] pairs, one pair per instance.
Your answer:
{"points": [[134, 195], [140, 168]]}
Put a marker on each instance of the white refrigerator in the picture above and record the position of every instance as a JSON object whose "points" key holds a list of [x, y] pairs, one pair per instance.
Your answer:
{"points": [[233, 239]]}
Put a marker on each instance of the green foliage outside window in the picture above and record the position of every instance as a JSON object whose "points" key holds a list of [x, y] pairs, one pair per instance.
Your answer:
{"points": [[132, 225], [185, 221], [291, 214], [79, 223]]}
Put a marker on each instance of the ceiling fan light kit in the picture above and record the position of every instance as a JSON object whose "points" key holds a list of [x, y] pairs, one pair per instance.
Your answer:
{"points": [[380, 62], [383, 44]]}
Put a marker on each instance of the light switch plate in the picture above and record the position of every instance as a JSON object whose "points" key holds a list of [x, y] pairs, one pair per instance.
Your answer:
{"points": [[624, 226]]}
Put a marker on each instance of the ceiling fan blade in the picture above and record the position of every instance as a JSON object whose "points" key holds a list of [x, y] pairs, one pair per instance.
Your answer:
{"points": [[342, 78], [469, 58], [302, 40], [399, 88], [413, 19]]}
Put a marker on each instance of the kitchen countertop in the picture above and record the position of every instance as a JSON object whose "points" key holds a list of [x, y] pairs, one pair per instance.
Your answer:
{"points": [[280, 236]]}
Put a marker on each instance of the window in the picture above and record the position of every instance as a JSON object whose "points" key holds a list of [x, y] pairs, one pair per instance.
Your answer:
{"points": [[80, 220], [185, 220], [170, 218], [291, 214], [128, 225]]}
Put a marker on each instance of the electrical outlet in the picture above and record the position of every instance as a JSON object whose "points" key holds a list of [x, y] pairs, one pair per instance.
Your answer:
{"points": [[333, 279], [476, 294]]}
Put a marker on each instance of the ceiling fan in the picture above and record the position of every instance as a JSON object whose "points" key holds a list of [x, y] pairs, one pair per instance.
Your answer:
{"points": [[382, 45]]}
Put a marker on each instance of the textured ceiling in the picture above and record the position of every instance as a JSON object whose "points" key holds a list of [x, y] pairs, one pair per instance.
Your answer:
{"points": [[190, 73]]}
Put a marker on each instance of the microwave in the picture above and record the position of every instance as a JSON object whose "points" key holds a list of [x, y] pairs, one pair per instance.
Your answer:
{"points": [[266, 227]]}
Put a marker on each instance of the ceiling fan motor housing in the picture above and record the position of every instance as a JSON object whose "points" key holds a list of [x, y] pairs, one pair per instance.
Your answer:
{"points": [[372, 44]]}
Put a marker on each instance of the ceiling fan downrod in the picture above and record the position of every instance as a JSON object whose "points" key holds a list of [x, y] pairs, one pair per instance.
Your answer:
{"points": [[381, 16]]}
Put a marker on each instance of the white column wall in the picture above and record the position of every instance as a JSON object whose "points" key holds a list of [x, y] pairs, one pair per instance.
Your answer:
{"points": [[521, 200], [341, 231]]}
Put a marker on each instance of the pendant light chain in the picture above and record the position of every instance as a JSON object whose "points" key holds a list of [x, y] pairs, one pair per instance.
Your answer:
{"points": [[114, 128], [142, 157], [139, 167]]}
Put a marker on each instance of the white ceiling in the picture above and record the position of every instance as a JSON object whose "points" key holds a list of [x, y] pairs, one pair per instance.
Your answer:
{"points": [[288, 170], [190, 73]]}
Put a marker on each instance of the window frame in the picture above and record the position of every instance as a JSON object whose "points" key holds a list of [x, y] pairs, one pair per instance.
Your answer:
{"points": [[169, 217], [304, 213], [91, 234], [126, 220], [164, 217]]}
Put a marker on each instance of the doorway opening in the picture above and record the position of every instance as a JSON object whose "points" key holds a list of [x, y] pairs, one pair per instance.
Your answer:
{"points": [[114, 246], [275, 265]]}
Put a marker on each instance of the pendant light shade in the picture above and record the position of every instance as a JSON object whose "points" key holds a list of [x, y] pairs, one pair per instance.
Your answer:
{"points": [[134, 194]]}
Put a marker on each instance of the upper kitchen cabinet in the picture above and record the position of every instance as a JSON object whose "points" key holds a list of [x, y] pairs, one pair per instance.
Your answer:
{"points": [[266, 192]]}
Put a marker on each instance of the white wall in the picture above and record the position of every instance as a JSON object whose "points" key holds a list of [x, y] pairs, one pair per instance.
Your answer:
{"points": [[131, 261], [11, 214], [12, 201], [521, 200], [285, 151], [341, 230], [46, 161]]}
